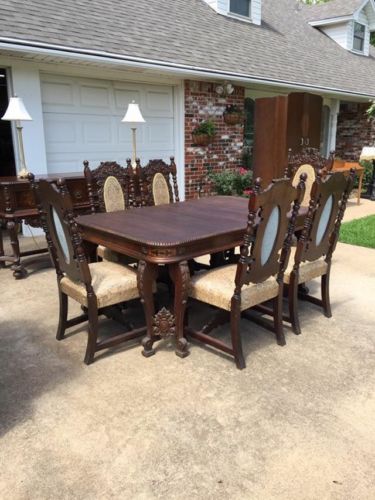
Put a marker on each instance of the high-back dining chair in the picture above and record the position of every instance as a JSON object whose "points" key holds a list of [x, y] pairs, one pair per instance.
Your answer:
{"points": [[258, 276], [157, 182], [110, 188], [95, 286], [312, 257], [308, 161]]}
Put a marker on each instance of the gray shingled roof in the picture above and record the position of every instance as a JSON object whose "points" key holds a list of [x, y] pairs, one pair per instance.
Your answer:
{"points": [[189, 32], [334, 8]]}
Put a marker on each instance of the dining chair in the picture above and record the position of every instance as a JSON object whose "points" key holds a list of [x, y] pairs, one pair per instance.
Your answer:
{"points": [[312, 257], [157, 182], [308, 161], [258, 275], [96, 286], [110, 188]]}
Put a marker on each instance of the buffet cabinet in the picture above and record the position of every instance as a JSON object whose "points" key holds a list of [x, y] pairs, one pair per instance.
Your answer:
{"points": [[284, 123]]}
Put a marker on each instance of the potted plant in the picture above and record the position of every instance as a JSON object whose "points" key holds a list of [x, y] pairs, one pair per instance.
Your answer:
{"points": [[233, 115], [204, 133]]}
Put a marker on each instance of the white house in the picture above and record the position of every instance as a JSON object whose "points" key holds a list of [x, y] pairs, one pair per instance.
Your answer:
{"points": [[77, 65]]}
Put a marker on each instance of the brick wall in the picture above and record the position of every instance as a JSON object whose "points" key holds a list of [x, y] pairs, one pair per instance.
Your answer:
{"points": [[354, 131], [202, 103]]}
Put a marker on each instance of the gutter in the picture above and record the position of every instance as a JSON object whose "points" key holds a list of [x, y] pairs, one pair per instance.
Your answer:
{"points": [[22, 46]]}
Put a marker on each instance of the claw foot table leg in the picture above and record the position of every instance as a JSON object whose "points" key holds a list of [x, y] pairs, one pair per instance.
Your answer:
{"points": [[180, 275], [147, 274]]}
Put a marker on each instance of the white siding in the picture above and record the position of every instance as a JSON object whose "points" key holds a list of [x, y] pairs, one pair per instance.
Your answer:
{"points": [[256, 11], [339, 33]]}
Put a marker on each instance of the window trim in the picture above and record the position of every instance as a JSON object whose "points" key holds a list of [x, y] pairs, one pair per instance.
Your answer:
{"points": [[239, 16], [359, 51]]}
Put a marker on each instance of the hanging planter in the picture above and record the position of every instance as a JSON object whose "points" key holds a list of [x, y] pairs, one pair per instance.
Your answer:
{"points": [[204, 133], [233, 115]]}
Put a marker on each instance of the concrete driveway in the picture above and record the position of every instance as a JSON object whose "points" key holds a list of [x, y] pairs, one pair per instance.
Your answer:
{"points": [[298, 423]]}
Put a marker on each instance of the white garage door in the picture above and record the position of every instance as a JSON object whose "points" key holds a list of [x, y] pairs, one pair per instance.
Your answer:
{"points": [[82, 121]]}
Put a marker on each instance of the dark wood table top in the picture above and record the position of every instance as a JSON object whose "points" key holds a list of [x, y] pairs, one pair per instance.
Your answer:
{"points": [[171, 233], [173, 224]]}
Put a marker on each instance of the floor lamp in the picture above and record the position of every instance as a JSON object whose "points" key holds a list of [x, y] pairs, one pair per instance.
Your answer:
{"points": [[16, 112], [133, 116]]}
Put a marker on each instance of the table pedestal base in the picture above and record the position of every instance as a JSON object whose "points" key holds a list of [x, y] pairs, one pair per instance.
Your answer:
{"points": [[164, 324]]}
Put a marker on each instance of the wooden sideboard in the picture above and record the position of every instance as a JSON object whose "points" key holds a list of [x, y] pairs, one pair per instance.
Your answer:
{"points": [[17, 204]]}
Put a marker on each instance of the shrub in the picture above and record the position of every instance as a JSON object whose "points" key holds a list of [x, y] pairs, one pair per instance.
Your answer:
{"points": [[232, 182]]}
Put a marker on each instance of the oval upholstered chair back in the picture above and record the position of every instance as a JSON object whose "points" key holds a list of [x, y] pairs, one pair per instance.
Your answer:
{"points": [[158, 182], [110, 187], [329, 195], [309, 170], [268, 236]]}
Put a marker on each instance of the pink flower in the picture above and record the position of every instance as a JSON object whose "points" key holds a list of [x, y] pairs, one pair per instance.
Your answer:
{"points": [[247, 192], [243, 171]]}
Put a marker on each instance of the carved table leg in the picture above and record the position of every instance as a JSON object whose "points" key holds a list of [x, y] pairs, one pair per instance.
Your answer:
{"points": [[146, 277], [18, 270], [2, 262], [181, 278]]}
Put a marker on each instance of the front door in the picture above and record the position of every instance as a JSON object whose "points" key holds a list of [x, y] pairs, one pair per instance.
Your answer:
{"points": [[7, 163]]}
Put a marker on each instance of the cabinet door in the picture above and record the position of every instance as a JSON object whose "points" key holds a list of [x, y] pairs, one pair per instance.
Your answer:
{"points": [[297, 125], [313, 113], [270, 151], [304, 120]]}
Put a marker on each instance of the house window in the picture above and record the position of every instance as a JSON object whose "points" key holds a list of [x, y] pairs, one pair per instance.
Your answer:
{"points": [[240, 7], [359, 37]]}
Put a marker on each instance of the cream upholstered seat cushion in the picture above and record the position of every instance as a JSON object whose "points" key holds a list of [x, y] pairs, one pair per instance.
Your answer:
{"points": [[307, 270], [216, 287], [112, 283]]}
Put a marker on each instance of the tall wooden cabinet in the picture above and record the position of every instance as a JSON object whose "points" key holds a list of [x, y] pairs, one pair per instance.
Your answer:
{"points": [[283, 123]]}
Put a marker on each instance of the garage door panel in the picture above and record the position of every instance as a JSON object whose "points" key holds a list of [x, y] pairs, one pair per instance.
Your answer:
{"points": [[160, 133], [124, 96], [159, 103], [98, 130], [60, 130], [57, 94], [94, 96]]}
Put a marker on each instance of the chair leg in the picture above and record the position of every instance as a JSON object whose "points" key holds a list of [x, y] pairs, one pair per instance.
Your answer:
{"points": [[63, 316], [293, 303], [278, 318], [325, 295], [236, 336], [92, 333]]}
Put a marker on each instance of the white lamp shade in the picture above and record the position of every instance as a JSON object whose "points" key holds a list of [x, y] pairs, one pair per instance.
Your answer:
{"points": [[368, 153], [133, 114], [16, 110]]}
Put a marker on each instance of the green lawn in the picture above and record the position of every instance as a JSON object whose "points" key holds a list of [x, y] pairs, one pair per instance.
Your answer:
{"points": [[359, 232]]}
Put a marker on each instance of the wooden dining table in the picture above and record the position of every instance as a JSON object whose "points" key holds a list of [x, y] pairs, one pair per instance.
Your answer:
{"points": [[171, 235]]}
